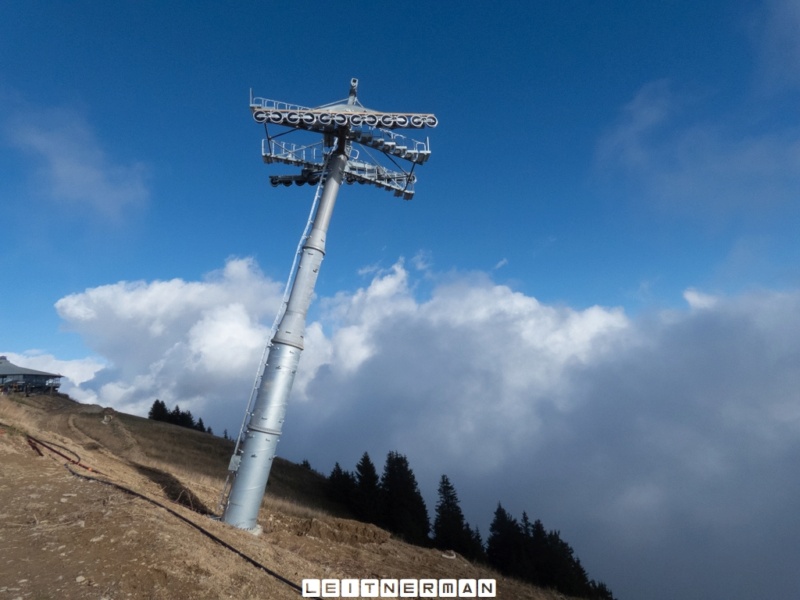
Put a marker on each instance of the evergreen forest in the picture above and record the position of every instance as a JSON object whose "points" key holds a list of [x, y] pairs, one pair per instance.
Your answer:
{"points": [[176, 416], [521, 549]]}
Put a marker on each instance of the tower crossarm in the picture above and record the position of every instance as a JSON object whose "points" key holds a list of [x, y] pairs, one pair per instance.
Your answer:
{"points": [[306, 156], [310, 158], [393, 144], [357, 126], [402, 184], [329, 119]]}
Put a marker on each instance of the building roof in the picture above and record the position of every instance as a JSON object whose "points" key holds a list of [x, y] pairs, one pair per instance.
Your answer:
{"points": [[7, 368]]}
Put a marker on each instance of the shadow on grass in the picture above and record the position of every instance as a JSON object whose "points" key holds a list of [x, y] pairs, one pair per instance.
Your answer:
{"points": [[174, 489]]}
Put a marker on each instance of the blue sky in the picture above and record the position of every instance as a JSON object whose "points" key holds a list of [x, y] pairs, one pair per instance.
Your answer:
{"points": [[588, 311]]}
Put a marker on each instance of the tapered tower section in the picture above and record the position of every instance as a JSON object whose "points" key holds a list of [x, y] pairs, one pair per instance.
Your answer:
{"points": [[353, 144]]}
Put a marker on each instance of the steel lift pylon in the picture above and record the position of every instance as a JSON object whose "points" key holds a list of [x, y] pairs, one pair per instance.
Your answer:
{"points": [[352, 137]]}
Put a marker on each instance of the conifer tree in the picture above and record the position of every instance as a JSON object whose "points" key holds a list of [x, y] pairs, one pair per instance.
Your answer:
{"points": [[175, 415], [158, 412], [476, 550], [505, 546], [537, 552], [367, 501], [342, 486], [404, 512], [186, 419], [450, 531]]}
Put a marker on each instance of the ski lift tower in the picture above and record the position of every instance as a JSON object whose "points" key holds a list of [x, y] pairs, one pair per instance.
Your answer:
{"points": [[352, 139]]}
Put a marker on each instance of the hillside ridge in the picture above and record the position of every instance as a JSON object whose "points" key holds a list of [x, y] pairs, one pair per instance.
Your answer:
{"points": [[111, 505]]}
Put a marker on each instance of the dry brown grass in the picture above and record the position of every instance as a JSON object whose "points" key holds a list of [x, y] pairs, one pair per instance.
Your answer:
{"points": [[59, 527]]}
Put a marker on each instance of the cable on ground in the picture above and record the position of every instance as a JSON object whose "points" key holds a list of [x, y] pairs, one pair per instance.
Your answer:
{"points": [[37, 444]]}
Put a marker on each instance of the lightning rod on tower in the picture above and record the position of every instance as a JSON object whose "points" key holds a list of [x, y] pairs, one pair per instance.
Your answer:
{"points": [[352, 137]]}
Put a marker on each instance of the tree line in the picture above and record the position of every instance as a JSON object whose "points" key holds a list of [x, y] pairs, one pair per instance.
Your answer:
{"points": [[176, 416], [392, 501], [527, 551], [519, 549]]}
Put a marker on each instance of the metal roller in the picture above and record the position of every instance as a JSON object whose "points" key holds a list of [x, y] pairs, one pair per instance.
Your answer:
{"points": [[371, 120], [260, 116], [325, 119], [387, 120], [356, 120], [431, 121], [276, 117], [292, 118], [401, 121], [417, 121], [308, 118], [340, 119]]}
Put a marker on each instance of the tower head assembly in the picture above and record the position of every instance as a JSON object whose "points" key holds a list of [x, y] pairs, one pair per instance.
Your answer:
{"points": [[366, 133]]}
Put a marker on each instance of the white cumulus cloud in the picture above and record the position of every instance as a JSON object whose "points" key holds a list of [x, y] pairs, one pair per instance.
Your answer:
{"points": [[180, 341], [670, 437]]}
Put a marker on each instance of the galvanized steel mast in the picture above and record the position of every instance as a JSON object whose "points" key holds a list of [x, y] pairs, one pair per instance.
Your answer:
{"points": [[329, 163]]}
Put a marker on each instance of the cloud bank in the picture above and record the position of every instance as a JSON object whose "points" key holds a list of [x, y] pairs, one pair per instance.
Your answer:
{"points": [[671, 437], [196, 343]]}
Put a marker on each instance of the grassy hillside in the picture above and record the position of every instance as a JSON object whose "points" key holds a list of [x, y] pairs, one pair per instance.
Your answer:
{"points": [[63, 533]]}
